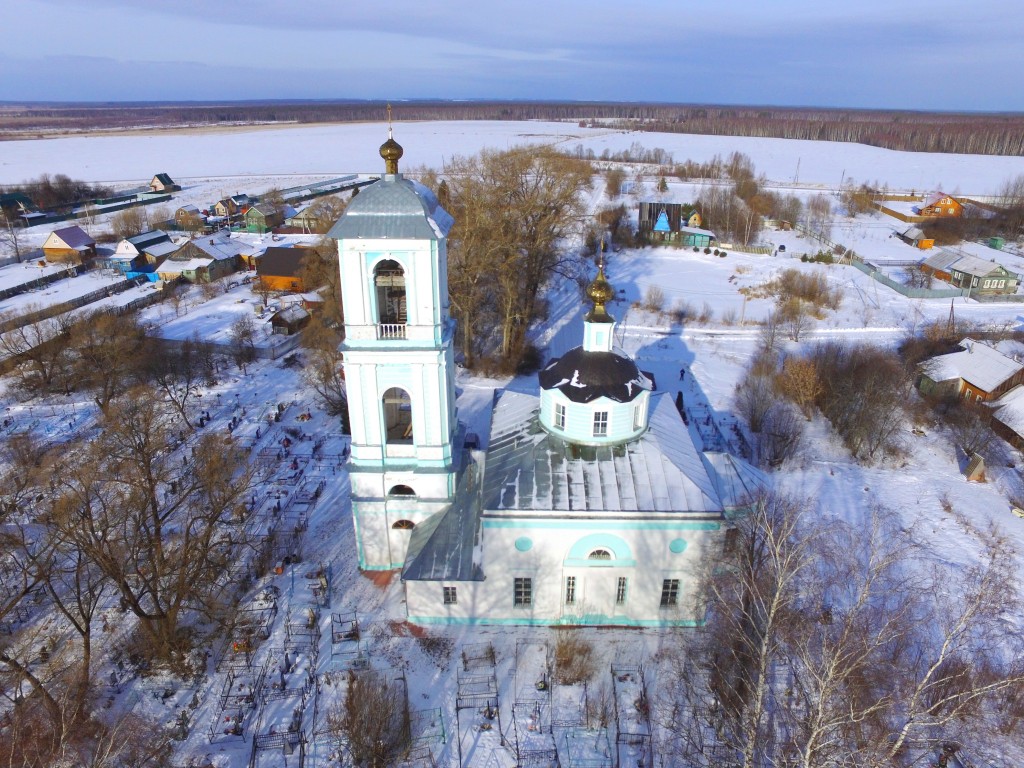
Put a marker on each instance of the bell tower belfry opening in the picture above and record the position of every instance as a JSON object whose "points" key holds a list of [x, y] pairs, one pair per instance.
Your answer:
{"points": [[398, 359]]}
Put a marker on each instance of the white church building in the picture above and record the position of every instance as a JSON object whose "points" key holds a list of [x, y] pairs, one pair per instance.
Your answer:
{"points": [[592, 502]]}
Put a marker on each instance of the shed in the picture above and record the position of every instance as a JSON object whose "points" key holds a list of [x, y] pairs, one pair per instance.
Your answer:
{"points": [[289, 320], [914, 235]]}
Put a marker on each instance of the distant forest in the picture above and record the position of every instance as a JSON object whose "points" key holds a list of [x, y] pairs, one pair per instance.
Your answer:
{"points": [[978, 133]]}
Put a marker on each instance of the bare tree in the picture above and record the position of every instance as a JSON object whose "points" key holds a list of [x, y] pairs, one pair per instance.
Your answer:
{"points": [[180, 371], [10, 233], [107, 354], [373, 721], [130, 222], [243, 337], [324, 371], [41, 351]]}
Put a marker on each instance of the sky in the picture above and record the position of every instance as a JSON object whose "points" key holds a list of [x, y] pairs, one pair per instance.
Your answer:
{"points": [[935, 55]]}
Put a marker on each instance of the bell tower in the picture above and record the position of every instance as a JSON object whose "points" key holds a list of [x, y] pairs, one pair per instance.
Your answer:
{"points": [[398, 360]]}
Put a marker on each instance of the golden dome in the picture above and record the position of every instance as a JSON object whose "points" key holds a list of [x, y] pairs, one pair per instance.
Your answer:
{"points": [[600, 291], [391, 151]]}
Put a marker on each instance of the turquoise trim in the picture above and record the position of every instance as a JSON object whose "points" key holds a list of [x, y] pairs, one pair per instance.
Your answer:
{"points": [[583, 547], [574, 621], [524, 543], [614, 525]]}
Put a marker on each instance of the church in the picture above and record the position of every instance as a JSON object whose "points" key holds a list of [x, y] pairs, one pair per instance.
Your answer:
{"points": [[592, 502]]}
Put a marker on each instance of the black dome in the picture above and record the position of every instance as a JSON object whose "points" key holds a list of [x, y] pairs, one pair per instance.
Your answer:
{"points": [[584, 376]]}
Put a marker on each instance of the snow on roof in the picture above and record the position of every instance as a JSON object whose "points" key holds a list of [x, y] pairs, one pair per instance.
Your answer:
{"points": [[975, 266], [913, 232], [942, 259], [173, 267], [394, 207], [737, 481], [220, 246], [699, 231], [977, 363], [1009, 409], [164, 248], [528, 469]]}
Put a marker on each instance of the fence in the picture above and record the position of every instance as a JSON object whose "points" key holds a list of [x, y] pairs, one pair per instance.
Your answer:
{"points": [[66, 306], [39, 282], [912, 293]]}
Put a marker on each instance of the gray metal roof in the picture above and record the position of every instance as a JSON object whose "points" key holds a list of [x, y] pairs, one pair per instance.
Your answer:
{"points": [[393, 208], [527, 469], [441, 548]]}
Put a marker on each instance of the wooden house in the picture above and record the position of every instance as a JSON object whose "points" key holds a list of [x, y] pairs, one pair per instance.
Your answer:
{"points": [[204, 259], [140, 254], [163, 183], [976, 372], [69, 243], [189, 218], [280, 269], [261, 218], [979, 276], [941, 204]]}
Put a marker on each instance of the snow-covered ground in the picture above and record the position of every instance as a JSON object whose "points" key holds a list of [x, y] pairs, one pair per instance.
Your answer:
{"points": [[347, 148], [715, 353]]}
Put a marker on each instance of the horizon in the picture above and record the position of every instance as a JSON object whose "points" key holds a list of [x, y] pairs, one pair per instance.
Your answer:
{"points": [[916, 56]]}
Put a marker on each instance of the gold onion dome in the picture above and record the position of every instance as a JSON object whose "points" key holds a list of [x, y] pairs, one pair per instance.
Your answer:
{"points": [[600, 292], [391, 151]]}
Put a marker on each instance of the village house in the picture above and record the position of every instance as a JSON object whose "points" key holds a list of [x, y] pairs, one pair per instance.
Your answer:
{"points": [[140, 253], [69, 244], [262, 218], [977, 275], [163, 183], [189, 217], [977, 371], [941, 205], [280, 269], [675, 223], [231, 206], [204, 259]]}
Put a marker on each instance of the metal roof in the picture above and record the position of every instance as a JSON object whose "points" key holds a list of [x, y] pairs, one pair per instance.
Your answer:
{"points": [[393, 208], [584, 376], [74, 237], [977, 364], [442, 547], [528, 469]]}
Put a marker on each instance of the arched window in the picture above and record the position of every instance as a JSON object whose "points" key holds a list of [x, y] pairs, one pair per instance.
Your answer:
{"points": [[397, 416], [401, 490], [389, 282], [600, 554], [403, 525]]}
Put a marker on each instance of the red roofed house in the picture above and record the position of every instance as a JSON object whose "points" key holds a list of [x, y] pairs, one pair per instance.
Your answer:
{"points": [[69, 243]]}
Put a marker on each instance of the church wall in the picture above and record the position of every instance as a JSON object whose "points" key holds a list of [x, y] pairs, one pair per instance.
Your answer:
{"points": [[550, 550], [381, 546]]}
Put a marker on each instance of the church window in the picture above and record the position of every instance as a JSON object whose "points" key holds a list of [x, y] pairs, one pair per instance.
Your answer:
{"points": [[600, 554], [600, 423], [403, 525], [397, 416], [401, 490], [522, 591], [620, 591], [638, 416], [559, 416], [450, 597], [570, 590], [669, 593]]}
